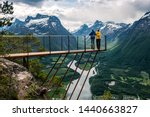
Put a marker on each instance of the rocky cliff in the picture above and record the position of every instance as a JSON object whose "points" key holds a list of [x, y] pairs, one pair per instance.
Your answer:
{"points": [[15, 80]]}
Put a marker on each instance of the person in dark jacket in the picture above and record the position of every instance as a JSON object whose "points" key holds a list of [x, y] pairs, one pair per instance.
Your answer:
{"points": [[92, 36]]}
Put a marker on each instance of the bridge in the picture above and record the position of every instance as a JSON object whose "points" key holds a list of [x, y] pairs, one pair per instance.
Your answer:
{"points": [[26, 47]]}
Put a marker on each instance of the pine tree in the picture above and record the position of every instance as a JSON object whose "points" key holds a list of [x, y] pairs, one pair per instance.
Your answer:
{"points": [[6, 8]]}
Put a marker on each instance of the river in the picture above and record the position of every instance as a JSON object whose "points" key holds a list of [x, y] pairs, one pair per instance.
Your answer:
{"points": [[86, 92]]}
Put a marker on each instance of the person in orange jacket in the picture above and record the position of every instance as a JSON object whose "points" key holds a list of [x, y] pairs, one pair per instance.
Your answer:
{"points": [[98, 39]]}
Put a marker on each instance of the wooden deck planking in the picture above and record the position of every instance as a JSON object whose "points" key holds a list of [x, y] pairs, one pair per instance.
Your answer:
{"points": [[33, 54]]}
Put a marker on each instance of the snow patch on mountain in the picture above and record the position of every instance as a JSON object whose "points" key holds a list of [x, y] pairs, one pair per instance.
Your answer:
{"points": [[147, 15], [43, 21], [54, 24], [114, 26], [102, 27], [89, 24]]}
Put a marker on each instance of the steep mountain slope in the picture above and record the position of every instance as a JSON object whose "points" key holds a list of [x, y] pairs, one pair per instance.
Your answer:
{"points": [[18, 27], [134, 49]]}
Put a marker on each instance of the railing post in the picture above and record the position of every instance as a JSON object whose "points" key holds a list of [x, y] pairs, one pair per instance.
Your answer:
{"points": [[77, 42], [105, 42], [49, 43], [61, 43], [43, 42], [68, 44], [23, 45], [27, 44], [85, 43], [28, 40]]}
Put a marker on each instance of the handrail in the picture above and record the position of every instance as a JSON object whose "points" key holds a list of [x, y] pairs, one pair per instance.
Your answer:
{"points": [[47, 43]]}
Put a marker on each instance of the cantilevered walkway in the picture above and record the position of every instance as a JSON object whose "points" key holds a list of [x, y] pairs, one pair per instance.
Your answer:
{"points": [[26, 47]]}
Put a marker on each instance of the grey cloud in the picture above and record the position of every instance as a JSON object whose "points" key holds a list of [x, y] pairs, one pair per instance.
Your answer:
{"points": [[141, 5], [36, 3], [33, 2], [27, 1]]}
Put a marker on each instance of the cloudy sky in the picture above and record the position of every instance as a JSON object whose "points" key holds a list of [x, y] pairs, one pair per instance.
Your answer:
{"points": [[74, 13]]}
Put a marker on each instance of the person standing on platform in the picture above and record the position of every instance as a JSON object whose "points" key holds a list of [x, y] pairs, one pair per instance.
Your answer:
{"points": [[98, 39], [92, 36]]}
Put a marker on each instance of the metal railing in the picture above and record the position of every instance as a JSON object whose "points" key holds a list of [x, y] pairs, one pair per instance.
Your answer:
{"points": [[39, 43]]}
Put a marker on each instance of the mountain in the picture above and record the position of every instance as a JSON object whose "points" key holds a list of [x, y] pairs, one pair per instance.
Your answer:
{"points": [[18, 27], [39, 25], [124, 70], [110, 29], [43, 25], [133, 45], [83, 30]]}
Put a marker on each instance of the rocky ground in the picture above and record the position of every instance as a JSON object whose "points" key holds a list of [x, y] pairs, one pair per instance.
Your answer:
{"points": [[15, 79]]}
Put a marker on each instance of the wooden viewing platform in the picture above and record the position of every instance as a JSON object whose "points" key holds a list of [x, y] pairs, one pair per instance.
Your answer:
{"points": [[65, 45], [33, 54]]}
